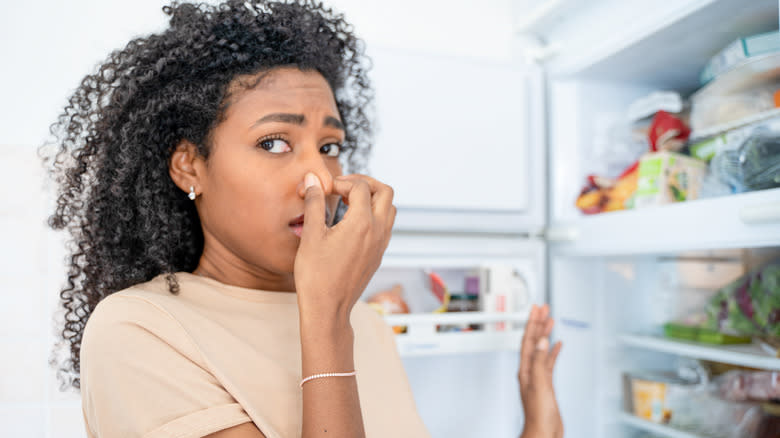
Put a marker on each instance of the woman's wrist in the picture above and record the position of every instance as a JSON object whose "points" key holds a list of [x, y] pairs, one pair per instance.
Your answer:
{"points": [[324, 309], [326, 346]]}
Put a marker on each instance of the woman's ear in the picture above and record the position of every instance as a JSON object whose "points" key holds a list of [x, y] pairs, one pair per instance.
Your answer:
{"points": [[186, 167]]}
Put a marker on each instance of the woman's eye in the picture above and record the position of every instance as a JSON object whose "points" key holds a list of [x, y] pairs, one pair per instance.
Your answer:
{"points": [[275, 145], [331, 149]]}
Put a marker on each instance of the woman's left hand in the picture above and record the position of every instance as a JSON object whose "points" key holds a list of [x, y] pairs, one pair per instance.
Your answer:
{"points": [[537, 360]]}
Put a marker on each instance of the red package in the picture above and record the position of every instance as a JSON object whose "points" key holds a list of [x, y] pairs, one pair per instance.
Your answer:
{"points": [[667, 132]]}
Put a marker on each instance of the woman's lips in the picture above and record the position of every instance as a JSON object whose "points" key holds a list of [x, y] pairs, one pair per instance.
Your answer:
{"points": [[296, 225]]}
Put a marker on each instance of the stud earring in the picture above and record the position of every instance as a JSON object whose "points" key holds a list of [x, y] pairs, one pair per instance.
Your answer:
{"points": [[192, 194]]}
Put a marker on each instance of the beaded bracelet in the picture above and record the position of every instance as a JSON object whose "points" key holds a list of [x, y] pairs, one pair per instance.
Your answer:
{"points": [[317, 376]]}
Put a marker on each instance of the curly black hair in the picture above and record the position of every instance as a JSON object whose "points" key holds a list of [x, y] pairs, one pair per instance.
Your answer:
{"points": [[128, 221]]}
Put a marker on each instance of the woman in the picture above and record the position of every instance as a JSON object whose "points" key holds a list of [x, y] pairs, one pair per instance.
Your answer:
{"points": [[212, 288]]}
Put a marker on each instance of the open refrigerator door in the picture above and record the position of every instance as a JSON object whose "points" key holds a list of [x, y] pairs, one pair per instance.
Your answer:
{"points": [[466, 260], [663, 193]]}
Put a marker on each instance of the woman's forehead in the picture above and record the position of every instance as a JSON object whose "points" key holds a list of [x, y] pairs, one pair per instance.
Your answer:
{"points": [[287, 87]]}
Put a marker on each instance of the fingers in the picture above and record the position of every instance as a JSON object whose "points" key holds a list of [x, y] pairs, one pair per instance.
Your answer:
{"points": [[539, 361], [357, 194], [527, 348], [314, 207], [536, 323], [553, 356], [535, 352], [548, 326], [381, 196]]}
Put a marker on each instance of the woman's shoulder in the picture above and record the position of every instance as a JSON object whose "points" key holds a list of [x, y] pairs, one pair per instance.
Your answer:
{"points": [[138, 317], [151, 293], [141, 306]]}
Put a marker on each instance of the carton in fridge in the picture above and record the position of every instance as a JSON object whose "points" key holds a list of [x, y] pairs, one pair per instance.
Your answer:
{"points": [[668, 177], [502, 289]]}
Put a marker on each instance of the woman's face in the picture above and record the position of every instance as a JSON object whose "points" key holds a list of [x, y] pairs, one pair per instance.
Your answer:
{"points": [[252, 188]]}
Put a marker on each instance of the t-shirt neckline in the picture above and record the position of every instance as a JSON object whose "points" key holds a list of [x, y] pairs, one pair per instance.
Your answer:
{"points": [[257, 295]]}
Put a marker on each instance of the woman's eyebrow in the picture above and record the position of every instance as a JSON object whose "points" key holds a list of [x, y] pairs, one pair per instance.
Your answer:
{"points": [[297, 119], [334, 122]]}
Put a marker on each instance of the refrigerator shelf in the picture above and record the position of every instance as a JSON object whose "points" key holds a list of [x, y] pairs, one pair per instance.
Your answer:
{"points": [[745, 220], [422, 338], [744, 122], [750, 355], [660, 429]]}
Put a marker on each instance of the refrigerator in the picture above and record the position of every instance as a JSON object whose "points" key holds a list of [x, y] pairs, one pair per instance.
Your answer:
{"points": [[487, 159]]}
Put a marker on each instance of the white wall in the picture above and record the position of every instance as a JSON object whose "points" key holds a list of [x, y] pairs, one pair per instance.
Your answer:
{"points": [[46, 47]]}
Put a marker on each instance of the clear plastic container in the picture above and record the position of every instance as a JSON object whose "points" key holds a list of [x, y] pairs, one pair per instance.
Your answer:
{"points": [[717, 110], [754, 165]]}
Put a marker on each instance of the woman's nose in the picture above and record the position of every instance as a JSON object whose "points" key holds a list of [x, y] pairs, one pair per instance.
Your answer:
{"points": [[316, 164]]}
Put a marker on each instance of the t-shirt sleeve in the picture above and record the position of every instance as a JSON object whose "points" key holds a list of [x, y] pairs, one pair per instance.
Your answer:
{"points": [[143, 376]]}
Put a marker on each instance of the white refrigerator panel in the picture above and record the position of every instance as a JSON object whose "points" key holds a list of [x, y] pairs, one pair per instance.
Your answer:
{"points": [[460, 140]]}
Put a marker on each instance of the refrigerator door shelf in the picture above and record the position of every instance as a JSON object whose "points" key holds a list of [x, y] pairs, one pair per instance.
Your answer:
{"points": [[660, 429], [750, 355], [747, 220], [422, 338]]}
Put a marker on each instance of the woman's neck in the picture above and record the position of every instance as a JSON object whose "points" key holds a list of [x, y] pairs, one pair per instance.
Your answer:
{"points": [[230, 270]]}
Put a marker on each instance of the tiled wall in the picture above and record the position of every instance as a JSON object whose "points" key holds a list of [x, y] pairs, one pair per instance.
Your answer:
{"points": [[31, 272]]}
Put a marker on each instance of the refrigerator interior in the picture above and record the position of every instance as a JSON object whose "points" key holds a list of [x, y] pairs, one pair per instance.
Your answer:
{"points": [[627, 273], [615, 309]]}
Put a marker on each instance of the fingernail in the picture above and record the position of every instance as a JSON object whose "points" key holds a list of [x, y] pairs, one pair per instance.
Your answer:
{"points": [[543, 344], [310, 180]]}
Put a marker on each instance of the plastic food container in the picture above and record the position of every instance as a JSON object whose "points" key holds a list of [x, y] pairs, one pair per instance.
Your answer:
{"points": [[691, 333], [655, 396]]}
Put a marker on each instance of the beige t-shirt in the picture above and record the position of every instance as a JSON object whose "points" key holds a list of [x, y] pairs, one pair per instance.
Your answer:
{"points": [[214, 356]]}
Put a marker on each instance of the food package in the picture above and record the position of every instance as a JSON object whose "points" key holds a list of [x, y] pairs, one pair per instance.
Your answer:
{"points": [[649, 105], [667, 177], [738, 52], [388, 302], [602, 194], [439, 290], [749, 305], [691, 404], [667, 132], [708, 111], [659, 397], [502, 289], [741, 385]]}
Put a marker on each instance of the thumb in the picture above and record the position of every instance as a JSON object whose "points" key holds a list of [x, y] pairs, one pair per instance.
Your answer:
{"points": [[314, 206]]}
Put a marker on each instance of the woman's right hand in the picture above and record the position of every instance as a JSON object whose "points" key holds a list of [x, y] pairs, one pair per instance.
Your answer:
{"points": [[333, 265]]}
